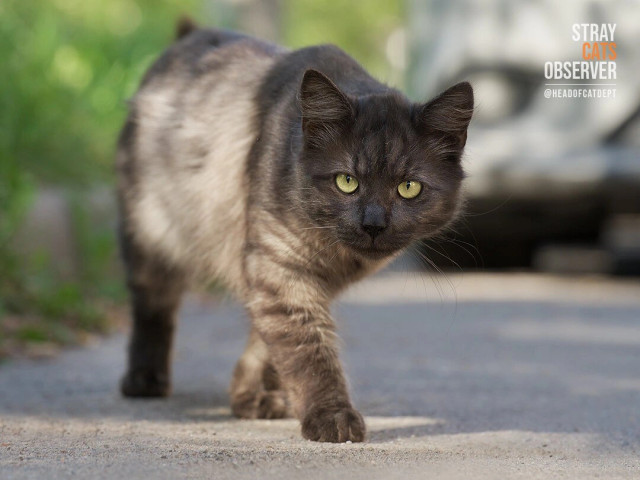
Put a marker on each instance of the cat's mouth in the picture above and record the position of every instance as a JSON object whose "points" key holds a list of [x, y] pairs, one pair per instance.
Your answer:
{"points": [[374, 250]]}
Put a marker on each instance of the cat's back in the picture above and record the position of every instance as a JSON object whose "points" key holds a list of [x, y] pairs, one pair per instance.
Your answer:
{"points": [[183, 150]]}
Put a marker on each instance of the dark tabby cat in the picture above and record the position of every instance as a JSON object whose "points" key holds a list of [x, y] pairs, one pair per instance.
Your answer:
{"points": [[288, 175]]}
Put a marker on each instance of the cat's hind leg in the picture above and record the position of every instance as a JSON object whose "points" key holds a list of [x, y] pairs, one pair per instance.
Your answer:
{"points": [[155, 289], [256, 390]]}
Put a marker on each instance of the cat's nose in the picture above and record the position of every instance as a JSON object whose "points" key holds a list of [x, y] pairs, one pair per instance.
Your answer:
{"points": [[373, 221]]}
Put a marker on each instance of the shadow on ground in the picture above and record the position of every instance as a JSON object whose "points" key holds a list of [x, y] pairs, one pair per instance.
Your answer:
{"points": [[455, 366]]}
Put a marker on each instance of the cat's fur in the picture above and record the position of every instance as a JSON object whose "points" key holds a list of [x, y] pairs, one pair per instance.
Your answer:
{"points": [[227, 168]]}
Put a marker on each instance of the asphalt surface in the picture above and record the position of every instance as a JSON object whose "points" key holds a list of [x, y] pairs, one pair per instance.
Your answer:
{"points": [[468, 376]]}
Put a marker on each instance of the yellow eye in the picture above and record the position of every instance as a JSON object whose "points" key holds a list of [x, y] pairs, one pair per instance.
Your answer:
{"points": [[346, 183], [409, 189]]}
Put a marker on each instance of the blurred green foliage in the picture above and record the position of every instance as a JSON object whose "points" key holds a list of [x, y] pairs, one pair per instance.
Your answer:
{"points": [[361, 28], [67, 68]]}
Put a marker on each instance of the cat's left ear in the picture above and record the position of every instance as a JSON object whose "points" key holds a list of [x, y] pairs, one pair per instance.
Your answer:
{"points": [[325, 109], [448, 114]]}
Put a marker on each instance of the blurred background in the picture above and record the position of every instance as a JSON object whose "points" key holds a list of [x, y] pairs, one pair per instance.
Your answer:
{"points": [[553, 183]]}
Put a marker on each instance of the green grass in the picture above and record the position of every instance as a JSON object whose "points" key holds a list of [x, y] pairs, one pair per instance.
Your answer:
{"points": [[40, 305], [67, 70]]}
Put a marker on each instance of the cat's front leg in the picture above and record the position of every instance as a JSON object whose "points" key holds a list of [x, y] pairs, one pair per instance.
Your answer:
{"points": [[302, 346], [256, 390]]}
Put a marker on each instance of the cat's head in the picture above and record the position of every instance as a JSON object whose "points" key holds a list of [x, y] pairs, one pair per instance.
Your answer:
{"points": [[379, 172]]}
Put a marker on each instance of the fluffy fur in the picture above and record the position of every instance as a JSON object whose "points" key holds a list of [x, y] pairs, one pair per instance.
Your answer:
{"points": [[227, 167]]}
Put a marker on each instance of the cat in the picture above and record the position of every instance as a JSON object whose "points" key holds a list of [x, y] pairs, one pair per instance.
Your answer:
{"points": [[287, 176]]}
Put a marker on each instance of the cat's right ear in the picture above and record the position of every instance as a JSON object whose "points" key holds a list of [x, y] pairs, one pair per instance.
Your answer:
{"points": [[325, 109]]}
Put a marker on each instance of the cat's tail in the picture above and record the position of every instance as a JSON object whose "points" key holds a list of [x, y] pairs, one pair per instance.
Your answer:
{"points": [[214, 37], [185, 26]]}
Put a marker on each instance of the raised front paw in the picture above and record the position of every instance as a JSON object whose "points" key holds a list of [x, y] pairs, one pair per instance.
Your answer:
{"points": [[332, 424]]}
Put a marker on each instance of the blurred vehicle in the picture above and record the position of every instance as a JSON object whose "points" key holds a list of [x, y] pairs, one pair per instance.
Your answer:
{"points": [[552, 183]]}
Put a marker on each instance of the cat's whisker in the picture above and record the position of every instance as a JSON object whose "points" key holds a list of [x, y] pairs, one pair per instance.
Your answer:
{"points": [[440, 271], [428, 266], [460, 244], [421, 276], [455, 293], [445, 237], [475, 247], [318, 228], [443, 255]]}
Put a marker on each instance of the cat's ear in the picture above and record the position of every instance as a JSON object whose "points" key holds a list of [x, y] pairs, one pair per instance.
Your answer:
{"points": [[325, 109], [448, 115]]}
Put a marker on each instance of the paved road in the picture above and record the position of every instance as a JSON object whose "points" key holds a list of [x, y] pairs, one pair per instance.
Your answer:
{"points": [[474, 376]]}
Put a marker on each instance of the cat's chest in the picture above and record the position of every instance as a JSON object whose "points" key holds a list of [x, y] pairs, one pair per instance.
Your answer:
{"points": [[345, 267]]}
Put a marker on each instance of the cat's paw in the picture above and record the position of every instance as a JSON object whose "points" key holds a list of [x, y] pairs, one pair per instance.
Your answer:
{"points": [[331, 424], [145, 383], [272, 404], [268, 404]]}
